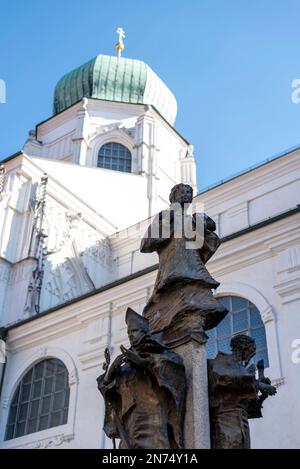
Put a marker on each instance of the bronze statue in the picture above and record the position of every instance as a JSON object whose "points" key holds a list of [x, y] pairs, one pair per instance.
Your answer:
{"points": [[235, 395], [144, 391], [182, 299]]}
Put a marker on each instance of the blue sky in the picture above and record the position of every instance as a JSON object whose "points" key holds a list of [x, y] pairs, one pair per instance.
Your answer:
{"points": [[230, 64]]}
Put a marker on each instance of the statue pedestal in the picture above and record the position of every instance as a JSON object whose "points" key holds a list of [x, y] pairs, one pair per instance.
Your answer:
{"points": [[196, 425]]}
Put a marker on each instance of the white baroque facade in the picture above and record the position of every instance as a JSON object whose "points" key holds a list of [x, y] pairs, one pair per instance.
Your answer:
{"points": [[70, 263]]}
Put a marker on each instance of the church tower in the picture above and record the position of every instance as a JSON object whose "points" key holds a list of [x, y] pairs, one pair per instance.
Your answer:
{"points": [[105, 160], [115, 116]]}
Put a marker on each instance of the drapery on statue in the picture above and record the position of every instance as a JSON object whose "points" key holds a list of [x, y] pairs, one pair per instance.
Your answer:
{"points": [[144, 391], [182, 301], [235, 395]]}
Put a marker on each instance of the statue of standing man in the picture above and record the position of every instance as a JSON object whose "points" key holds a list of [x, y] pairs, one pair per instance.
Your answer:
{"points": [[182, 301], [235, 394]]}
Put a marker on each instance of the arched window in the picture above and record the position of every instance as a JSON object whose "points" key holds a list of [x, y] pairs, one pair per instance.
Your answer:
{"points": [[114, 156], [41, 400], [243, 318]]}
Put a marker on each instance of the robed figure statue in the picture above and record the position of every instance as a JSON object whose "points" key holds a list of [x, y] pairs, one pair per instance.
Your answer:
{"points": [[144, 391], [235, 394], [182, 300]]}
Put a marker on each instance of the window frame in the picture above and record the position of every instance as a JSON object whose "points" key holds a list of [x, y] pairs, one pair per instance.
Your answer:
{"points": [[32, 381], [54, 436], [245, 308], [113, 158], [115, 135]]}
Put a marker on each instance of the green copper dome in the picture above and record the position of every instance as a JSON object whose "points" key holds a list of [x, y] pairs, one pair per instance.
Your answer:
{"points": [[115, 79]]}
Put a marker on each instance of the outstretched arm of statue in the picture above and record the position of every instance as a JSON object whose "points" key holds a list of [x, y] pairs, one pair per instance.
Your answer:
{"points": [[208, 222], [205, 228], [135, 358], [266, 389], [111, 373], [264, 383], [159, 232]]}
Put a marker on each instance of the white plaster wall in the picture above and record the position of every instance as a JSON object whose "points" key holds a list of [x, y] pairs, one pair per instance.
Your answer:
{"points": [[119, 197], [254, 196], [5, 271], [16, 291]]}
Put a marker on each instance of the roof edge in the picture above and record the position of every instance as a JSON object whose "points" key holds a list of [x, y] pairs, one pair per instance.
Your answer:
{"points": [[117, 102], [249, 169], [11, 157]]}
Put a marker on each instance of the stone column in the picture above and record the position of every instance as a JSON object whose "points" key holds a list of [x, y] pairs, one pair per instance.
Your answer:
{"points": [[196, 425]]}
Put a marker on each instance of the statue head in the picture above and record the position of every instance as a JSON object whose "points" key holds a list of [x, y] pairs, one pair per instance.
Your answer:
{"points": [[137, 326], [244, 347], [182, 194]]}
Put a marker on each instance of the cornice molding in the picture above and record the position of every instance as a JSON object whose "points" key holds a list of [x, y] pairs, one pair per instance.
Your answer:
{"points": [[289, 290], [236, 189]]}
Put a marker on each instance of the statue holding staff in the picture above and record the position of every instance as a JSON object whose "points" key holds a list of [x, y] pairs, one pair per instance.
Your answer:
{"points": [[144, 391]]}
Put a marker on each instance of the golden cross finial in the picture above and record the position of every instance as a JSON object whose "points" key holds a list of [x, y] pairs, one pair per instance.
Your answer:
{"points": [[120, 44]]}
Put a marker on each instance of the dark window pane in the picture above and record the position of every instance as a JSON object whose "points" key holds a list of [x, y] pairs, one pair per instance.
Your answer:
{"points": [[27, 378], [223, 329], [37, 389], [211, 348], [255, 318], [12, 414], [211, 333], [114, 156], [9, 432], [60, 382], [20, 429], [238, 303], [262, 355], [32, 426], [259, 336], [240, 321], [65, 416], [48, 385], [38, 370], [58, 402], [224, 345], [46, 405], [56, 419], [50, 368], [225, 301], [25, 393], [34, 409], [16, 396], [23, 412], [57, 362], [43, 424]]}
